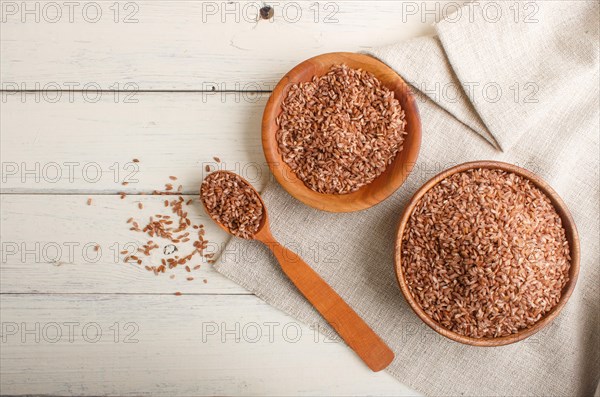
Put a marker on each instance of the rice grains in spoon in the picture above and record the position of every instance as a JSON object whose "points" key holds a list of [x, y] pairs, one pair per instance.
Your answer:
{"points": [[230, 201]]}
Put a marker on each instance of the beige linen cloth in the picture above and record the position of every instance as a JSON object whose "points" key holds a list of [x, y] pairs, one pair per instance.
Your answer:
{"points": [[491, 85]]}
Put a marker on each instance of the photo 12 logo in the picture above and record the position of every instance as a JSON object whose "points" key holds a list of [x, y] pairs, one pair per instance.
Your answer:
{"points": [[69, 11], [59, 253], [524, 92], [254, 11], [69, 171], [470, 11], [65, 252], [68, 332], [266, 332], [327, 252], [71, 92], [249, 92]]}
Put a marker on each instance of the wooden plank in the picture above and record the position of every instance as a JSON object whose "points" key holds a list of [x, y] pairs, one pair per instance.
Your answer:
{"points": [[48, 247], [76, 146], [191, 45], [172, 346]]}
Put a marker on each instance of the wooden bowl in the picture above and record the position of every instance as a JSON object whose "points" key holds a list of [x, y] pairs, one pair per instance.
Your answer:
{"points": [[384, 185], [571, 234]]}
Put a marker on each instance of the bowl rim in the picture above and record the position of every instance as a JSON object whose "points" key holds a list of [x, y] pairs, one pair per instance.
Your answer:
{"points": [[567, 222], [349, 202]]}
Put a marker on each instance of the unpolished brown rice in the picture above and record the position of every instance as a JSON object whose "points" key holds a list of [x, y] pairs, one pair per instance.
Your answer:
{"points": [[172, 229], [485, 254], [230, 201], [340, 131]]}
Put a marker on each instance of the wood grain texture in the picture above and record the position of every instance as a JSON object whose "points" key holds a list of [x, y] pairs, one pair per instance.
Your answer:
{"points": [[170, 47], [385, 184], [48, 247], [570, 231], [73, 146], [172, 345], [189, 45]]}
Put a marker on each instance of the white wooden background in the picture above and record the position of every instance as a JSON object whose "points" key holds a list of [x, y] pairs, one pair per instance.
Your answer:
{"points": [[180, 82]]}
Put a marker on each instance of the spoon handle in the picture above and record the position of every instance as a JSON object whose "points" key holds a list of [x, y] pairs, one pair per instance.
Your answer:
{"points": [[355, 332]]}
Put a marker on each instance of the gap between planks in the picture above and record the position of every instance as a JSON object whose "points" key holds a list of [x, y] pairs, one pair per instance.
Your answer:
{"points": [[125, 293], [159, 91], [103, 194]]}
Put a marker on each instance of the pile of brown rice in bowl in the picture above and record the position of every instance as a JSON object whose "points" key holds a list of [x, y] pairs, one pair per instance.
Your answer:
{"points": [[484, 253], [340, 131]]}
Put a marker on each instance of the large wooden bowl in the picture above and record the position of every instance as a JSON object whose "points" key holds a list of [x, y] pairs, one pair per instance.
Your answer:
{"points": [[571, 234], [384, 185]]}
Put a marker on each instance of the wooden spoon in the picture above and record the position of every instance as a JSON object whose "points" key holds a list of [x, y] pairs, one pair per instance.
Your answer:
{"points": [[353, 330]]}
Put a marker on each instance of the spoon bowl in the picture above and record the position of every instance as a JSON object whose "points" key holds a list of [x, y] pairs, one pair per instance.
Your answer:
{"points": [[347, 323], [264, 222]]}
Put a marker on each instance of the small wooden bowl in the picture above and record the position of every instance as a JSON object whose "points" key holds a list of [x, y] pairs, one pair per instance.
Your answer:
{"points": [[384, 185], [567, 223]]}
